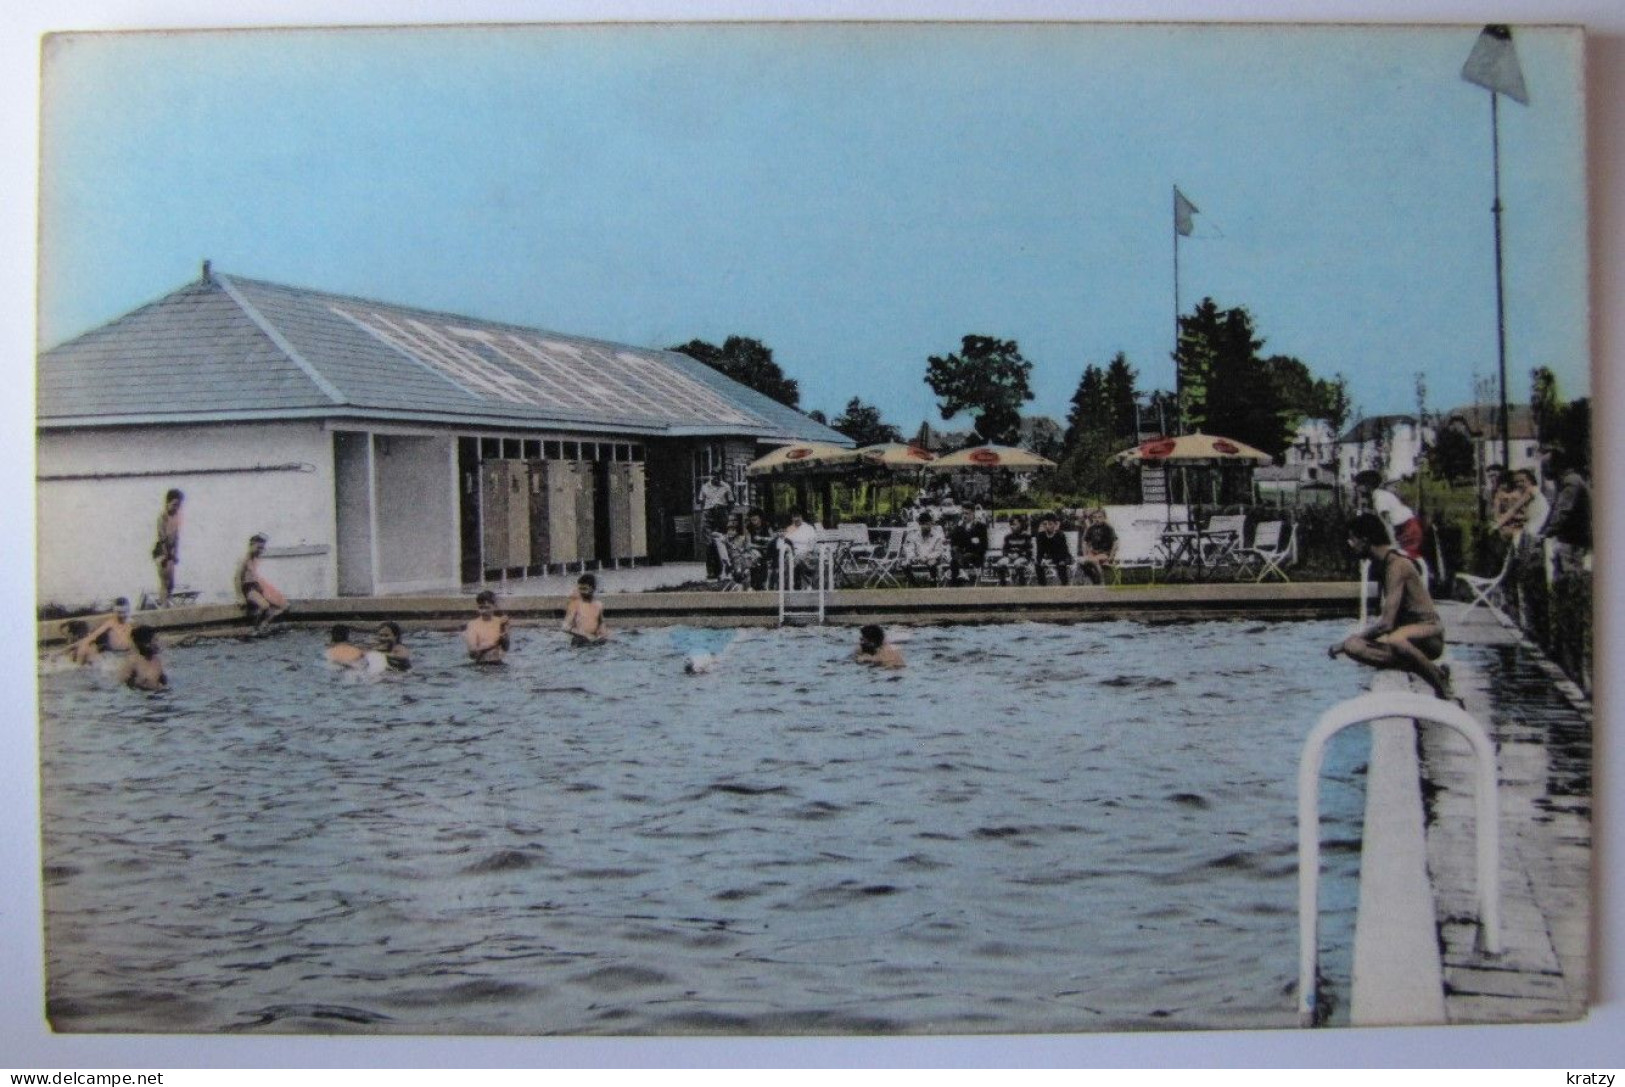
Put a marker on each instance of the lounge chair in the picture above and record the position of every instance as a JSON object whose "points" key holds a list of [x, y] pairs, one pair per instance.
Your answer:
{"points": [[1268, 553], [1487, 590]]}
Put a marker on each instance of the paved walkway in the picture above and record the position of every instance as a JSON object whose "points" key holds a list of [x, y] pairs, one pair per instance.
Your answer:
{"points": [[1543, 737]]}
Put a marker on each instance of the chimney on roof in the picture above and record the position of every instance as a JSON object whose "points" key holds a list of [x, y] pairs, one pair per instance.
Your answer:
{"points": [[207, 276]]}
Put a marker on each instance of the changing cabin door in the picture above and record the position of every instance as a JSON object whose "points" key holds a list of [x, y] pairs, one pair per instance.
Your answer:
{"points": [[494, 515], [628, 536], [585, 496], [561, 511], [541, 551]]}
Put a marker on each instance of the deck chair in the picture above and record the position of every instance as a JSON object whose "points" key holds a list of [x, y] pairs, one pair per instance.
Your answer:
{"points": [[879, 567], [1486, 590], [1222, 545], [1268, 552]]}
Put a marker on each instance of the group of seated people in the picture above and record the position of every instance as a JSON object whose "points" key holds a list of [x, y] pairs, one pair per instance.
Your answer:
{"points": [[751, 547], [954, 546]]}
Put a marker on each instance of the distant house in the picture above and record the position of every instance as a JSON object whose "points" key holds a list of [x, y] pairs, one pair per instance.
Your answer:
{"points": [[1307, 473], [1482, 424], [1390, 444], [383, 449]]}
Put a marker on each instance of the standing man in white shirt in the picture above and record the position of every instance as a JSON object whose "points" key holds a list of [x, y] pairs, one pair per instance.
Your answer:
{"points": [[716, 501]]}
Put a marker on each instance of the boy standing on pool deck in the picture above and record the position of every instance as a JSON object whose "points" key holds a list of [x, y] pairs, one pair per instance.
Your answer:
{"points": [[584, 615], [1408, 634], [167, 551], [486, 635], [873, 648]]}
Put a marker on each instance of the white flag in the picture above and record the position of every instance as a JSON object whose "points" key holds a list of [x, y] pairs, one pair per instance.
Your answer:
{"points": [[1493, 64], [1183, 210]]}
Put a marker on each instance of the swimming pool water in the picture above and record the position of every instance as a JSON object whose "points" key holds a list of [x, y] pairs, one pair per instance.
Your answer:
{"points": [[1030, 828]]}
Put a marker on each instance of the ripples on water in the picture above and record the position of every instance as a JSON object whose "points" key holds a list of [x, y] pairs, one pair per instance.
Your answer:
{"points": [[1031, 828]]}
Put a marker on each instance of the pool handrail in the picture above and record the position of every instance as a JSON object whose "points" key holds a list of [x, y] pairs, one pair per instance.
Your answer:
{"points": [[1373, 707]]}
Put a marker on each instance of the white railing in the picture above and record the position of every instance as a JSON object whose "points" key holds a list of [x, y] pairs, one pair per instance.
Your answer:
{"points": [[1374, 707], [804, 602]]}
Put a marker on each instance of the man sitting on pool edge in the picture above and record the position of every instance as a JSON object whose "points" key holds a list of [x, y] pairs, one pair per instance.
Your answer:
{"points": [[1408, 634]]}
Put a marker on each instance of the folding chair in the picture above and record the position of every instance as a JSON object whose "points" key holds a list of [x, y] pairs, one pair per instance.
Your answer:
{"points": [[879, 567], [1268, 552], [1486, 589], [1221, 543]]}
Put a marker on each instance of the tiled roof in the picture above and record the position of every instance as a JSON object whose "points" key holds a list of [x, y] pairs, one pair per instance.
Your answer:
{"points": [[1484, 420], [230, 347]]}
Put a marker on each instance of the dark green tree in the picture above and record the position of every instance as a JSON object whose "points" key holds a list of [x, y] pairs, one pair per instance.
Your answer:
{"points": [[1451, 455], [749, 362], [1226, 387], [988, 378], [1121, 394], [1332, 402], [862, 423], [1088, 412]]}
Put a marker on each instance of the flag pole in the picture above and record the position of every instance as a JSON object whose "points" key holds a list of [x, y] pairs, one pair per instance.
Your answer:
{"points": [[1179, 370], [1500, 288]]}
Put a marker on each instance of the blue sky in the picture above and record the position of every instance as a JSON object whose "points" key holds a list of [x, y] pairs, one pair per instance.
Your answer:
{"points": [[857, 197]]}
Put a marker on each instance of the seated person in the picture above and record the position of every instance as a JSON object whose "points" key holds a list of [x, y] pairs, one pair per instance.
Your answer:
{"points": [[741, 552], [584, 614], [801, 540], [760, 535], [486, 635], [261, 599], [340, 653], [968, 546], [143, 670], [874, 649], [1408, 634], [925, 550], [1016, 561], [1051, 551], [397, 657], [1099, 547]]}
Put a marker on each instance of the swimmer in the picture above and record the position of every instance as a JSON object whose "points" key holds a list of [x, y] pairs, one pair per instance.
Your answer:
{"points": [[144, 669], [584, 615], [340, 653], [113, 635], [263, 601], [873, 648], [486, 635], [396, 655], [81, 648]]}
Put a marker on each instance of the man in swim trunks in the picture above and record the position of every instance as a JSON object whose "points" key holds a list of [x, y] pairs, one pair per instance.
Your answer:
{"points": [[584, 614], [167, 551], [262, 599], [486, 635], [340, 653], [144, 670], [1408, 634], [873, 648]]}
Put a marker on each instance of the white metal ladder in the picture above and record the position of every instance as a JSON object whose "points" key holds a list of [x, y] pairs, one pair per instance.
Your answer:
{"points": [[1373, 707], [805, 603]]}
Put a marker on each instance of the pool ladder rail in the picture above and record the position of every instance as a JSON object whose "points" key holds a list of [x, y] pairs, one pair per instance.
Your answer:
{"points": [[798, 604], [1374, 707]]}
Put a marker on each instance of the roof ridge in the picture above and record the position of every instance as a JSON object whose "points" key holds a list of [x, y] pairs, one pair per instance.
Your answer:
{"points": [[328, 389]]}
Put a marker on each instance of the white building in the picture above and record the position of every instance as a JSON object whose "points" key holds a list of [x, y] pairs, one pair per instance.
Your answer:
{"points": [[382, 449], [1391, 444]]}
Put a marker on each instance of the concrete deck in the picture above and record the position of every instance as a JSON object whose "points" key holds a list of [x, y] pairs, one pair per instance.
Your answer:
{"points": [[1543, 971]]}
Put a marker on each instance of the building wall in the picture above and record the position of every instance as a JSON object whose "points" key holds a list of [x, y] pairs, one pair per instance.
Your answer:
{"points": [[417, 522], [95, 535]]}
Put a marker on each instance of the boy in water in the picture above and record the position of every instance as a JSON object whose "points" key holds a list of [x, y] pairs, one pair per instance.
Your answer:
{"points": [[80, 649], [144, 670], [113, 635], [1408, 634], [486, 635], [584, 614], [396, 655], [340, 653], [262, 599], [166, 553], [873, 648]]}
